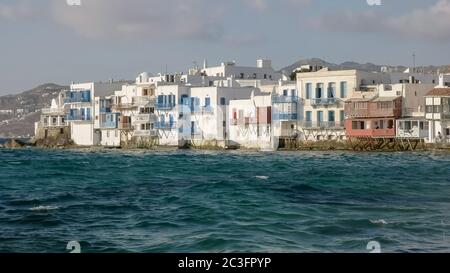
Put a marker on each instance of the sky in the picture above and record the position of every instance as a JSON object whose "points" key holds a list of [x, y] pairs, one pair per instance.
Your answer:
{"points": [[51, 41]]}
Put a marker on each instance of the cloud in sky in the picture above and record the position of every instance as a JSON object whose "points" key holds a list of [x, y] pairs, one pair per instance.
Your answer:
{"points": [[184, 19], [429, 24], [169, 19]]}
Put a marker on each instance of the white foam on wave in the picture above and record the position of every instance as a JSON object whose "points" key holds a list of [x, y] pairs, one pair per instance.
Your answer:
{"points": [[44, 208], [262, 177], [379, 222]]}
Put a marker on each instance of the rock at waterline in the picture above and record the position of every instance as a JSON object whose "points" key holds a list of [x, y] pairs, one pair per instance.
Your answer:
{"points": [[13, 143]]}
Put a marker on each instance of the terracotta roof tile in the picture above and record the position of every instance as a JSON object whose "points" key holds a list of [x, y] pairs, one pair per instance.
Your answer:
{"points": [[439, 92]]}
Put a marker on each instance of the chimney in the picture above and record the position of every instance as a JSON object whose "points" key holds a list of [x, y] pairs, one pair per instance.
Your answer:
{"points": [[441, 80]]}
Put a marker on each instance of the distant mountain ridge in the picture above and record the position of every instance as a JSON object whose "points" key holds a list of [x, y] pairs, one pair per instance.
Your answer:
{"points": [[365, 67], [19, 112]]}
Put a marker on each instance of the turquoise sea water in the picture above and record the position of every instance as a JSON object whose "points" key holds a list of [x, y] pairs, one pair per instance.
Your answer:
{"points": [[200, 201]]}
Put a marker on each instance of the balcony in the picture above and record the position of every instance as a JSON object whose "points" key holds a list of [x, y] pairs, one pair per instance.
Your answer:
{"points": [[53, 111], [143, 100], [144, 118], [322, 125], [323, 101], [105, 110], [373, 113], [123, 106], [108, 125], [165, 106], [79, 97], [285, 99], [78, 118], [124, 126], [285, 117]]}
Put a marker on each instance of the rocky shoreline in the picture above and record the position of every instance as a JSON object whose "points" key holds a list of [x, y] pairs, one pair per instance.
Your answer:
{"points": [[63, 143]]}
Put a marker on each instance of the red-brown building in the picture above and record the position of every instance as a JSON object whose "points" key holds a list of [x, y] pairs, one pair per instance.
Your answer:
{"points": [[373, 117]]}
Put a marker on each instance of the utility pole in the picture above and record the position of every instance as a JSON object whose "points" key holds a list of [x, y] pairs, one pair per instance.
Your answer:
{"points": [[414, 62]]}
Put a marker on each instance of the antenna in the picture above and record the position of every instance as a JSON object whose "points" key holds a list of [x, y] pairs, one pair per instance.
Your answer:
{"points": [[414, 62]]}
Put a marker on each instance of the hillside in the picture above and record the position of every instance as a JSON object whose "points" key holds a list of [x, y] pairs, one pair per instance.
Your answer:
{"points": [[365, 67], [18, 113]]}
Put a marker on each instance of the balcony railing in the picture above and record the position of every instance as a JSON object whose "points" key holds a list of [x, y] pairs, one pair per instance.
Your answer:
{"points": [[124, 126], [143, 100], [78, 118], [322, 124], [285, 99], [361, 113], [323, 101], [144, 118], [123, 106], [53, 111], [105, 110], [108, 125], [165, 106], [285, 117]]}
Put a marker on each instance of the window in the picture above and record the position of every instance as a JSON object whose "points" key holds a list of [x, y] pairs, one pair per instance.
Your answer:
{"points": [[285, 92], [223, 101], [242, 75], [319, 91], [342, 115], [447, 132], [207, 102], [331, 116], [61, 131], [308, 91], [308, 116], [343, 90], [331, 90], [319, 116], [358, 125]]}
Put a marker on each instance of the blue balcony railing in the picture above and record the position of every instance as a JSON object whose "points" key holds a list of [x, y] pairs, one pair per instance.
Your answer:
{"points": [[78, 118], [286, 99], [284, 116], [109, 125], [78, 97], [105, 110], [323, 101], [165, 106]]}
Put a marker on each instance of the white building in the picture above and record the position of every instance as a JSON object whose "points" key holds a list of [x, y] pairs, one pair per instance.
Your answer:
{"points": [[81, 113], [246, 76], [251, 122], [438, 114], [53, 119]]}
